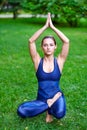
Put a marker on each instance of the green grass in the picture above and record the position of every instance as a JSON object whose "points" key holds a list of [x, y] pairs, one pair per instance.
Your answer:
{"points": [[18, 82]]}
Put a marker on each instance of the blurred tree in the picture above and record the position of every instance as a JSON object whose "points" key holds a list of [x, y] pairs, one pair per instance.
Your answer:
{"points": [[73, 10], [69, 10], [11, 6], [15, 4]]}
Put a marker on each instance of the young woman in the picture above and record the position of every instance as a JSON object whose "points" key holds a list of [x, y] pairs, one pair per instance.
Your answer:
{"points": [[48, 72]]}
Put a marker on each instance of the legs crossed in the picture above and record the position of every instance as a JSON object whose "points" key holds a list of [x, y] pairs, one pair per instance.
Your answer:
{"points": [[58, 109], [33, 108]]}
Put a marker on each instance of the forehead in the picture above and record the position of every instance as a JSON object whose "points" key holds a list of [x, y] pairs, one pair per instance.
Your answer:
{"points": [[48, 40]]}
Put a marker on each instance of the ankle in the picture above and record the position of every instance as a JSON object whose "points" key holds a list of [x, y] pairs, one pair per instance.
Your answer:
{"points": [[49, 118]]}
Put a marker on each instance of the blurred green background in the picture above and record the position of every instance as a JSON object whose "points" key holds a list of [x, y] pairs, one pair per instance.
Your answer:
{"points": [[18, 82], [64, 12]]}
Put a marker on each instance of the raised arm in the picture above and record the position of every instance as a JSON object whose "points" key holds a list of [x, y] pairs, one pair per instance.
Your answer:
{"points": [[32, 46], [65, 47]]}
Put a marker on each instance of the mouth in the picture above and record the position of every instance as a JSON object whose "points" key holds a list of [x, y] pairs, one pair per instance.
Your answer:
{"points": [[48, 51]]}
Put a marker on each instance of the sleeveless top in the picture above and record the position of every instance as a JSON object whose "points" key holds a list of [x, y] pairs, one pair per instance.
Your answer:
{"points": [[48, 83]]}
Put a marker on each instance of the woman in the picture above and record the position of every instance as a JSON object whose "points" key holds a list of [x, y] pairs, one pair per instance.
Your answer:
{"points": [[48, 72]]}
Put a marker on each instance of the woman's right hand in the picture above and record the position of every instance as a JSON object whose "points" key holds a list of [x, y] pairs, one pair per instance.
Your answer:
{"points": [[48, 21], [51, 23]]}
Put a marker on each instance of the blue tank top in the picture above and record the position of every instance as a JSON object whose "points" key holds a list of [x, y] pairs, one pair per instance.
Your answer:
{"points": [[48, 83]]}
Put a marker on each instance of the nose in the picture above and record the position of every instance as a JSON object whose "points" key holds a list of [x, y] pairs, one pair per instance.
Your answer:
{"points": [[48, 46]]}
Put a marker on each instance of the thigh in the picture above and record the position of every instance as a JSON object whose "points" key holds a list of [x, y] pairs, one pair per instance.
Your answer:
{"points": [[58, 109], [31, 108]]}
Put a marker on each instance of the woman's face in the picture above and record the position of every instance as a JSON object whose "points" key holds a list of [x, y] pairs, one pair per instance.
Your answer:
{"points": [[48, 46]]}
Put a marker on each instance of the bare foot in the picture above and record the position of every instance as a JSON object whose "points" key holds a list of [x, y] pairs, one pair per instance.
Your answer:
{"points": [[52, 100], [49, 118]]}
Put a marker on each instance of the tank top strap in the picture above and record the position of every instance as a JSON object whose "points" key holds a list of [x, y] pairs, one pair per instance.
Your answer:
{"points": [[40, 66], [56, 66], [41, 63]]}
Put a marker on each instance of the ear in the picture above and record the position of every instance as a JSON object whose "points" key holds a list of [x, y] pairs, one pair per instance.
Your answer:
{"points": [[42, 47], [55, 46]]}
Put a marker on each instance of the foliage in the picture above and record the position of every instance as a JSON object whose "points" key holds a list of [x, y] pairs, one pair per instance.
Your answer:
{"points": [[11, 6], [18, 82], [15, 6], [70, 10]]}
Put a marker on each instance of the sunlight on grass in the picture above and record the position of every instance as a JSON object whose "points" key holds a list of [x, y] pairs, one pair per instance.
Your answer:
{"points": [[18, 82]]}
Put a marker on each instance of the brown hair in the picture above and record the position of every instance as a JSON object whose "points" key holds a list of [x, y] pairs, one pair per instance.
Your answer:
{"points": [[49, 37]]}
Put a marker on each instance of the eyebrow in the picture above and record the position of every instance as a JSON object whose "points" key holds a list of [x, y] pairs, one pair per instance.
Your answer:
{"points": [[49, 43]]}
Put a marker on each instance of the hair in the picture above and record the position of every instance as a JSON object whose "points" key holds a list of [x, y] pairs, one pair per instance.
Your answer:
{"points": [[51, 37]]}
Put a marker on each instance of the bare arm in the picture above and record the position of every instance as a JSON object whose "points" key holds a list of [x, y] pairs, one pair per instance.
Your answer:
{"points": [[52, 100], [65, 47], [37, 34], [32, 46]]}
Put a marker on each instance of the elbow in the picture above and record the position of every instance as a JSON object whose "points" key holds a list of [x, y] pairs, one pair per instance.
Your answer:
{"points": [[30, 40], [67, 41]]}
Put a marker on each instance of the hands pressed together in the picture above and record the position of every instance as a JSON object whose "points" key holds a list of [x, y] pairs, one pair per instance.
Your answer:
{"points": [[49, 21]]}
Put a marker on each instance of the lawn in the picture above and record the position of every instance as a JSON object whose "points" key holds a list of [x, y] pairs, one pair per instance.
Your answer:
{"points": [[18, 82]]}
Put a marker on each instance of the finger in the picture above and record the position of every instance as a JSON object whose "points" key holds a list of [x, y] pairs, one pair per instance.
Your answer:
{"points": [[49, 15]]}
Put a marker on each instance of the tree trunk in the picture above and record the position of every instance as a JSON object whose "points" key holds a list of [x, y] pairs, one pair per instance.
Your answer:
{"points": [[14, 14]]}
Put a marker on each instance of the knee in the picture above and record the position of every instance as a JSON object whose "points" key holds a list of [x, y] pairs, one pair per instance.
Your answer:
{"points": [[20, 112], [60, 114]]}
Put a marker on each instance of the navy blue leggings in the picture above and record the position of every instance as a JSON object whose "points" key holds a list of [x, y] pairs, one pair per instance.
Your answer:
{"points": [[33, 108]]}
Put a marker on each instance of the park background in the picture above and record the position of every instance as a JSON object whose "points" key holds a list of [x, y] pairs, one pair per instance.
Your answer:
{"points": [[19, 20]]}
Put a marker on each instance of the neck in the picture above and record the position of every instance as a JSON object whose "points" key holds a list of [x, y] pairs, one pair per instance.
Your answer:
{"points": [[49, 58]]}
